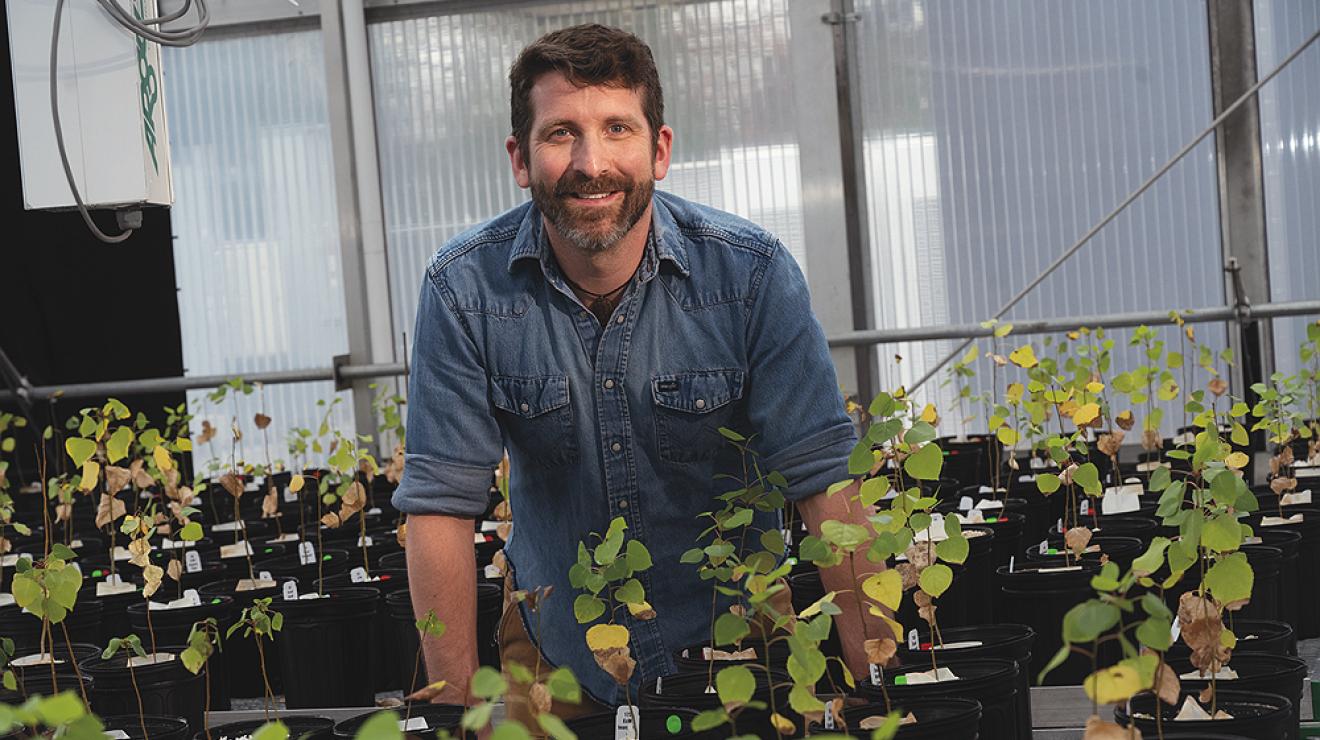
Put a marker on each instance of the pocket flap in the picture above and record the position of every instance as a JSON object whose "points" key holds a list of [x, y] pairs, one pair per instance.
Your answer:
{"points": [[697, 392], [529, 397]]}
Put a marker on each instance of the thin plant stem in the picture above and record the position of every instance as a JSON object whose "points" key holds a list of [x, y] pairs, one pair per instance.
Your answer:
{"points": [[142, 712], [82, 685]]}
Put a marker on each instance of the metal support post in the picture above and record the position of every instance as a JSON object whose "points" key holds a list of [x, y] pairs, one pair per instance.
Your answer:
{"points": [[843, 19], [357, 193], [1241, 186]]}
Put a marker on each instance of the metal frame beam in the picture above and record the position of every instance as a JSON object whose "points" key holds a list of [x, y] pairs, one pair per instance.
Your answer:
{"points": [[853, 339], [1241, 184]]}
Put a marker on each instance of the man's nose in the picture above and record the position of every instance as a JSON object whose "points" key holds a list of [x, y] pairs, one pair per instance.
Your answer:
{"points": [[589, 155]]}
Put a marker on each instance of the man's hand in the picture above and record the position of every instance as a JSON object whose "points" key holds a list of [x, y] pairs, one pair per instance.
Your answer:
{"points": [[442, 576], [855, 622]]}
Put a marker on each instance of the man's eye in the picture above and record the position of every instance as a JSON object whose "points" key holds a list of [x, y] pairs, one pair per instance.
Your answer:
{"points": [[560, 133], [618, 128]]}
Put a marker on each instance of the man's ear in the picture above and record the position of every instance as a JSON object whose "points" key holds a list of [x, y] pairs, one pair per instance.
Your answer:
{"points": [[521, 174], [664, 144]]}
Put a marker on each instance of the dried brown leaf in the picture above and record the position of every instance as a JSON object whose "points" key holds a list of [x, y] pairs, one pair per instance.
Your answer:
{"points": [[910, 575], [503, 529], [427, 693], [402, 535], [141, 478], [232, 483], [109, 510], [331, 520], [261, 420], [539, 696], [139, 549], [920, 555], [1167, 686], [63, 512], [1150, 440], [617, 662], [151, 576], [1283, 485], [1217, 386], [175, 569], [1125, 421], [1099, 729], [270, 505], [116, 478], [1076, 539], [502, 513], [879, 651], [925, 607]]}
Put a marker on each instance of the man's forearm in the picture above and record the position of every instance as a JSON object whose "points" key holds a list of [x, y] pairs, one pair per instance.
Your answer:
{"points": [[442, 576], [855, 622]]}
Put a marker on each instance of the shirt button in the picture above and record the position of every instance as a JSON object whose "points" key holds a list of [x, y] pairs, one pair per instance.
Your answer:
{"points": [[623, 504], [609, 383], [616, 447], [701, 403], [525, 408], [619, 320]]}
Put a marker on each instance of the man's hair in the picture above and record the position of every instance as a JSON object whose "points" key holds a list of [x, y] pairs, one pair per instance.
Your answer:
{"points": [[589, 54]]}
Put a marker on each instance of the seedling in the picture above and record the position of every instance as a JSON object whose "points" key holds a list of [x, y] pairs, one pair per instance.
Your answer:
{"points": [[258, 621], [203, 639], [131, 646]]}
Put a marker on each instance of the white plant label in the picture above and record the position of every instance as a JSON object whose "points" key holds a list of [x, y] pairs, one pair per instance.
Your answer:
{"points": [[358, 575], [265, 576], [306, 554], [1044, 547], [1037, 463], [1012, 559], [227, 526], [627, 721], [914, 641], [1085, 508], [660, 679], [290, 591], [965, 503], [192, 597], [114, 580], [876, 679], [1121, 500], [192, 562], [290, 497], [1175, 630], [489, 526], [1028, 478], [364, 541], [829, 716], [412, 723], [1058, 525], [116, 734], [493, 571]]}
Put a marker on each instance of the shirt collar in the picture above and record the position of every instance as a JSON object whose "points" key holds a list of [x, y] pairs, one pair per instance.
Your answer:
{"points": [[530, 241]]}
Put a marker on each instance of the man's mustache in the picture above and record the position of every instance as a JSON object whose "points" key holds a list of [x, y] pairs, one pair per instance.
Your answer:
{"points": [[575, 183]]}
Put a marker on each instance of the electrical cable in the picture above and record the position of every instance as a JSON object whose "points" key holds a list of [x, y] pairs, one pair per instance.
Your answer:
{"points": [[142, 29], [1187, 149]]}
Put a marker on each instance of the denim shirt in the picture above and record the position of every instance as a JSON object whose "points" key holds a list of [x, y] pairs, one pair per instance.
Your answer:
{"points": [[715, 330]]}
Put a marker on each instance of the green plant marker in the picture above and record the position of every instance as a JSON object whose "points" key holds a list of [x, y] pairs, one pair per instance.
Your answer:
{"points": [[991, 519], [96, 574], [215, 601], [900, 680], [325, 557], [269, 550], [1052, 551], [673, 724]]}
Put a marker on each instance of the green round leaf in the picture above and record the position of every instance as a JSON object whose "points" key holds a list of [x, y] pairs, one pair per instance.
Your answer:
{"points": [[735, 685], [936, 579]]}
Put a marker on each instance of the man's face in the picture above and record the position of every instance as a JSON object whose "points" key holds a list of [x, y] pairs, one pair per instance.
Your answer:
{"points": [[592, 161]]}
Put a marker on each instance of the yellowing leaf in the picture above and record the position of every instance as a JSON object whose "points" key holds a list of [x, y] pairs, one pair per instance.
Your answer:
{"points": [[1237, 460], [91, 474], [162, 457], [885, 588], [1003, 330], [928, 414], [1085, 414], [1113, 685], [296, 483], [1007, 435], [1023, 357], [606, 636], [1094, 386], [1014, 392]]}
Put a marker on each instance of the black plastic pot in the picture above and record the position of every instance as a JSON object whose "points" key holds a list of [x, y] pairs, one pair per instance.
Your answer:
{"points": [[167, 688], [998, 641], [158, 728], [83, 624], [1121, 550], [333, 562], [945, 718], [423, 721], [1122, 525], [1038, 596], [991, 682], [301, 727], [1263, 636], [653, 723], [41, 683], [113, 618], [688, 691], [1290, 545], [1257, 673], [1266, 563], [237, 566], [326, 650], [384, 648], [242, 661], [172, 627], [65, 661], [1255, 715], [1308, 563]]}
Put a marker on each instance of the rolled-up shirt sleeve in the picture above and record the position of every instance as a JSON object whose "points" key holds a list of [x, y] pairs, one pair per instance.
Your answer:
{"points": [[794, 402], [453, 440]]}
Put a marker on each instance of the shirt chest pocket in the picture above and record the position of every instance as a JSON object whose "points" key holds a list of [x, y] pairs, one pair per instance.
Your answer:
{"points": [[537, 417], [690, 408]]}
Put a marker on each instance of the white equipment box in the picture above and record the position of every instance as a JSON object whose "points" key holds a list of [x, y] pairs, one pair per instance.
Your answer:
{"points": [[112, 107]]}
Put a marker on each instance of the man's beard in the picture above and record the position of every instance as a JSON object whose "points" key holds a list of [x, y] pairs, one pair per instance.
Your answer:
{"points": [[592, 229]]}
